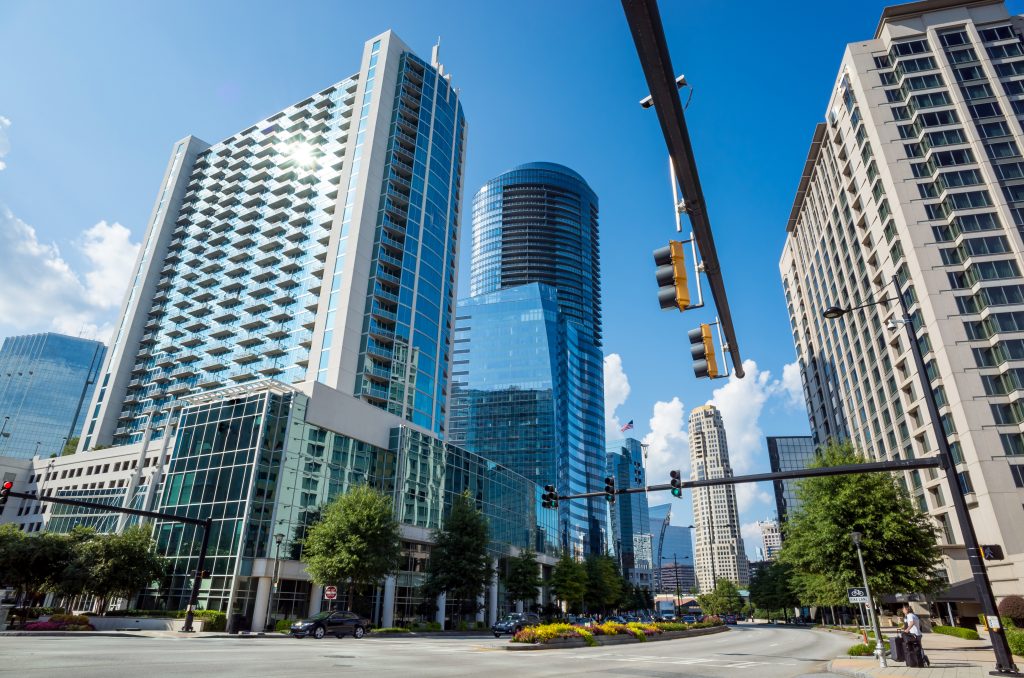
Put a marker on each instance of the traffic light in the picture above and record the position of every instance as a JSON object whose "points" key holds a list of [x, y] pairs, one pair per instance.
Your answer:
{"points": [[671, 276], [609, 488], [677, 484], [549, 499], [702, 348], [991, 552], [5, 490]]}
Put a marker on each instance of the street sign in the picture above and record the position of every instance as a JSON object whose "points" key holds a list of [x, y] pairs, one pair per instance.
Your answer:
{"points": [[330, 592], [857, 595]]}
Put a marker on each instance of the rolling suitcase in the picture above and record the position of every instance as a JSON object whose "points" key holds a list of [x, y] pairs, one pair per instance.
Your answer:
{"points": [[914, 652], [896, 648]]}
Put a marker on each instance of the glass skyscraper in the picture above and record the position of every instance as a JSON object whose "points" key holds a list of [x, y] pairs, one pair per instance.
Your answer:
{"points": [[319, 243], [46, 381], [789, 453], [672, 552], [630, 522], [535, 284]]}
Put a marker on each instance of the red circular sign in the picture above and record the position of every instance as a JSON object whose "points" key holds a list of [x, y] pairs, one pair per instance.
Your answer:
{"points": [[330, 592]]}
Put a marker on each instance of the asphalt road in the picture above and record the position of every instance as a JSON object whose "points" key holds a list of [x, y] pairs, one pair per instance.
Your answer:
{"points": [[765, 651]]}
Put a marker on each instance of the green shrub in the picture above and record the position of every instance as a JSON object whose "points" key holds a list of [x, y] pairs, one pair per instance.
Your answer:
{"points": [[1013, 607], [1015, 639], [966, 634], [390, 629], [862, 650], [213, 620], [283, 625], [72, 619]]}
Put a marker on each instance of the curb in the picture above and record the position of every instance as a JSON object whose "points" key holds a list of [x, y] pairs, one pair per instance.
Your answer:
{"points": [[72, 634], [848, 672], [621, 639]]}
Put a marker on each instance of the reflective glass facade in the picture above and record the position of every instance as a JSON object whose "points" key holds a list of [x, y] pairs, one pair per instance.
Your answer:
{"points": [[789, 453], [524, 396], [46, 382], [630, 521], [673, 552], [404, 353]]}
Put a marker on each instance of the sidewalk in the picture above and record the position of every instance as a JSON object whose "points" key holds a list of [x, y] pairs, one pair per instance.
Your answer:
{"points": [[950, 657]]}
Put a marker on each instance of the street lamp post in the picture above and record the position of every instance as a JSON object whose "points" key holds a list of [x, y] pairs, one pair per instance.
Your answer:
{"points": [[879, 647], [278, 538], [983, 588]]}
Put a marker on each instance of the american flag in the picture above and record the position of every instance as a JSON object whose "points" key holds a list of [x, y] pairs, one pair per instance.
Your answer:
{"points": [[628, 426]]}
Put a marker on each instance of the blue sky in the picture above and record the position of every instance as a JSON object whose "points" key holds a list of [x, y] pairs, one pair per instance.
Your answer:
{"points": [[94, 94]]}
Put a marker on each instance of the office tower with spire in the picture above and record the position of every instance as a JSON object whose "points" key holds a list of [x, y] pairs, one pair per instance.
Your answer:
{"points": [[916, 171], [528, 385], [720, 553]]}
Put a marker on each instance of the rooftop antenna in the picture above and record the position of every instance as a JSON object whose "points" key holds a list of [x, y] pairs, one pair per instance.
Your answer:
{"points": [[435, 54]]}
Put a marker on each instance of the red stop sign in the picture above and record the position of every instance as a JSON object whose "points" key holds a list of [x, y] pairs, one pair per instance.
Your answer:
{"points": [[330, 592]]}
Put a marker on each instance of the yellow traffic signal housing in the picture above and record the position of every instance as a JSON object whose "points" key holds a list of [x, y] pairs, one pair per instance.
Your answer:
{"points": [[702, 349], [671, 276]]}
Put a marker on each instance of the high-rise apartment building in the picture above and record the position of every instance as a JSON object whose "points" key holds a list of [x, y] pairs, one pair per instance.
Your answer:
{"points": [[720, 553], [528, 385], [771, 538], [630, 522], [789, 453], [672, 552], [46, 382], [917, 173], [319, 243]]}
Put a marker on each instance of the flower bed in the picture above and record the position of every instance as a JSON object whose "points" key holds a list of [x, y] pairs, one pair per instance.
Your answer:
{"points": [[62, 622], [546, 633]]}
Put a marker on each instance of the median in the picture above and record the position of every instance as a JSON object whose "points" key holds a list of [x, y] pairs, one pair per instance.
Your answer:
{"points": [[556, 636]]}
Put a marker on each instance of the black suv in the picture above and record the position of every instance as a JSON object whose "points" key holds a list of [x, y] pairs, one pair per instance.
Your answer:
{"points": [[514, 623], [338, 623]]}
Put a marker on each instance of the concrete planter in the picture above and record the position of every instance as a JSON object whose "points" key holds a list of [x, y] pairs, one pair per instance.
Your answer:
{"points": [[620, 639], [142, 623]]}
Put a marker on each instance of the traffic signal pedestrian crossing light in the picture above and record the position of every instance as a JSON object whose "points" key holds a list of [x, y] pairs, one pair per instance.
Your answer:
{"points": [[5, 491], [991, 552], [671, 276], [702, 348], [609, 488], [677, 484]]}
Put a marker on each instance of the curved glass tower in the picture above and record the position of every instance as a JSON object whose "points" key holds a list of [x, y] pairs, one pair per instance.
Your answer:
{"points": [[537, 223], [527, 380]]}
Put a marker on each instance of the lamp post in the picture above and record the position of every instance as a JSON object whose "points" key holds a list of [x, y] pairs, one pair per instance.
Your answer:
{"points": [[1004, 660], [278, 538], [879, 648]]}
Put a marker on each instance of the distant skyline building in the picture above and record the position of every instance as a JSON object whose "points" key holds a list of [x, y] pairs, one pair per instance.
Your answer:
{"points": [[720, 552], [789, 453], [630, 522], [528, 349], [46, 382], [917, 172], [673, 552], [771, 538], [318, 244]]}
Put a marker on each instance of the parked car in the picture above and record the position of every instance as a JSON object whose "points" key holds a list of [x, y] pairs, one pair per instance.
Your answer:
{"points": [[689, 619], [514, 623], [729, 619], [338, 623], [583, 621], [666, 616]]}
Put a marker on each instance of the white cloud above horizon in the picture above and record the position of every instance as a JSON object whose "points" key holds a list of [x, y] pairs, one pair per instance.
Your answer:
{"points": [[616, 391]]}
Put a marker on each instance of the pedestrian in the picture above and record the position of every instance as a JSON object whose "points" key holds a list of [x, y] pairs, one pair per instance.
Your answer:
{"points": [[911, 622], [912, 627]]}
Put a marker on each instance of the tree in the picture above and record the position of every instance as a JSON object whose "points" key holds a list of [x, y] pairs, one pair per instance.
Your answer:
{"points": [[723, 600], [356, 541], [771, 589], [33, 564], [898, 541], [459, 563], [569, 582], [120, 564], [523, 578], [604, 584], [69, 447]]}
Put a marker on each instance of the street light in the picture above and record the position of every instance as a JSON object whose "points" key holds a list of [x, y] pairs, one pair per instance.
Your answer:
{"points": [[1004, 660], [278, 538], [879, 649]]}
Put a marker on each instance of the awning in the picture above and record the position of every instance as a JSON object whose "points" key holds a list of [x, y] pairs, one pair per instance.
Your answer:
{"points": [[961, 592]]}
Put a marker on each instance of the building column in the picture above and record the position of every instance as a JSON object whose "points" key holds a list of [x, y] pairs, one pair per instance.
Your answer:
{"points": [[259, 612], [388, 613], [540, 589], [492, 594], [519, 606], [316, 599], [480, 609], [442, 601]]}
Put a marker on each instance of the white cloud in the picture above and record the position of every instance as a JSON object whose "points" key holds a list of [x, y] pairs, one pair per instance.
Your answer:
{"points": [[5, 144], [741, 402], [752, 540], [753, 497], [668, 443], [792, 385], [616, 390], [41, 292]]}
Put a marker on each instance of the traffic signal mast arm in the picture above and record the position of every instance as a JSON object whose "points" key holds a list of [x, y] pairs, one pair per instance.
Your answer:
{"points": [[871, 467]]}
